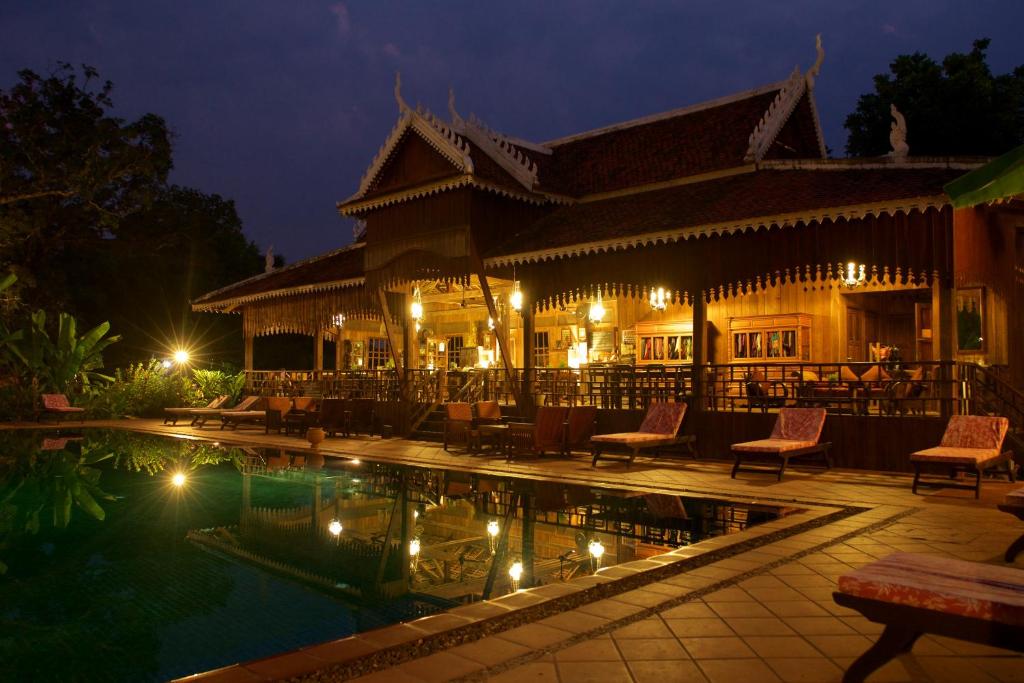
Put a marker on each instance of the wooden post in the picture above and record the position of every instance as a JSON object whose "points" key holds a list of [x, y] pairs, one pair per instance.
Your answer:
{"points": [[248, 352], [944, 335], [318, 350], [389, 328], [339, 351], [700, 319], [500, 329]]}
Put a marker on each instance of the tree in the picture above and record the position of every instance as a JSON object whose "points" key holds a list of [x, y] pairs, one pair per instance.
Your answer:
{"points": [[69, 171], [956, 108]]}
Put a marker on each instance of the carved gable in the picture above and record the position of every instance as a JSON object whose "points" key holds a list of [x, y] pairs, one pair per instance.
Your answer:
{"points": [[414, 163]]}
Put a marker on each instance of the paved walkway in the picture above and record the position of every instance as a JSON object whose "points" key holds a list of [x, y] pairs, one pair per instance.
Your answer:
{"points": [[762, 615]]}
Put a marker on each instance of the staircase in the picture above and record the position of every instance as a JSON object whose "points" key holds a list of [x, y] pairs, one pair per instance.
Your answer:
{"points": [[428, 419], [990, 394]]}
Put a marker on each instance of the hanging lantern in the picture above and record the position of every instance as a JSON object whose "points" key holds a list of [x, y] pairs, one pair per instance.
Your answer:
{"points": [[416, 309], [659, 299], [597, 309], [854, 276], [339, 320], [515, 299], [490, 323], [492, 535]]}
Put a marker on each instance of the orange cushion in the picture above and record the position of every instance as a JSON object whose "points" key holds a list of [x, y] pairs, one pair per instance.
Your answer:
{"points": [[954, 455], [875, 374], [279, 403], [458, 411], [488, 409], [772, 445], [975, 431], [847, 375], [304, 402]]}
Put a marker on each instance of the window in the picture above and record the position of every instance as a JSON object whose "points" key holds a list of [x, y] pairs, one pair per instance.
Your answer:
{"points": [[377, 355], [455, 352], [540, 349]]}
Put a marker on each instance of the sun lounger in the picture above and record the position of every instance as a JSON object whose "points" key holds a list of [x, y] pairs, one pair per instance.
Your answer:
{"points": [[58, 404], [658, 430], [172, 415], [201, 415], [275, 407], [796, 434], [971, 443], [917, 594]]}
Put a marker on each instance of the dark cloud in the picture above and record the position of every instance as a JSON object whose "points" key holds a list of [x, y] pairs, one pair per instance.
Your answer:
{"points": [[281, 105]]}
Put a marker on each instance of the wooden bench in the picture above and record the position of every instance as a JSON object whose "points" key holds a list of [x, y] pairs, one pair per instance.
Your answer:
{"points": [[1014, 504], [915, 594]]}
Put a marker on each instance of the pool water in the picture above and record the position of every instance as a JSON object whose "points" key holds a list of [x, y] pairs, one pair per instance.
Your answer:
{"points": [[116, 570]]}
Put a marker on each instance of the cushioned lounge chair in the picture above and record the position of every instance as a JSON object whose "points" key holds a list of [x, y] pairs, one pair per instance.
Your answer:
{"points": [[201, 415], [487, 412], [971, 443], [172, 415], [796, 434], [912, 595], [59, 405], [659, 429]]}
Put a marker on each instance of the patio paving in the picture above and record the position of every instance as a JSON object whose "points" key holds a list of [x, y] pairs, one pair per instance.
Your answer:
{"points": [[765, 614]]}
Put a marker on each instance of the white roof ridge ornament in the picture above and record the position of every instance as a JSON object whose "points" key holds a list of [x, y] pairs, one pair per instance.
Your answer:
{"points": [[781, 108], [403, 107], [898, 135]]}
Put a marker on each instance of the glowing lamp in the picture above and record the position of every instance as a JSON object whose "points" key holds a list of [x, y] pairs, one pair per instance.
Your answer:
{"points": [[492, 535], [490, 323], [515, 299], [515, 573], [440, 347], [854, 275], [596, 549], [181, 356], [335, 527], [166, 364], [597, 309], [339, 320], [178, 480], [659, 299], [414, 547], [416, 309]]}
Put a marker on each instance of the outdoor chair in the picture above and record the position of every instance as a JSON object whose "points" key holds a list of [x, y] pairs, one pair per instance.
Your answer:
{"points": [[274, 408], [172, 415], [912, 595], [201, 415], [545, 434], [796, 434], [971, 443], [334, 416], [658, 430], [58, 405], [301, 417], [459, 426], [580, 426], [763, 394], [363, 418], [487, 412]]}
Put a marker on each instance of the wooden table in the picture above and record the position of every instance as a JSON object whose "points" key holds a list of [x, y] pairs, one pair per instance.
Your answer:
{"points": [[497, 434]]}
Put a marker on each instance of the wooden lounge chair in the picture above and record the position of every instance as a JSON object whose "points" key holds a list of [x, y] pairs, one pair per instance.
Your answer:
{"points": [[201, 415], [796, 434], [459, 426], [58, 405], [545, 435], [658, 430], [270, 417], [971, 443], [916, 594], [172, 415], [1014, 504], [580, 425]]}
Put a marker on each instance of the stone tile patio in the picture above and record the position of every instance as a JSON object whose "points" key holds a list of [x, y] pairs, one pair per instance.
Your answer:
{"points": [[765, 614]]}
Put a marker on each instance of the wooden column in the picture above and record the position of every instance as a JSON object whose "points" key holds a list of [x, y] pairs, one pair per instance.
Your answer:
{"points": [[526, 394], [248, 352], [389, 328], [944, 341], [700, 354], [318, 350], [339, 350]]}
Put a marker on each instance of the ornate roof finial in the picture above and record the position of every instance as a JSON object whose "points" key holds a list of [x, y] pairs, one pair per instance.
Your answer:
{"points": [[402, 106], [268, 259], [898, 135], [813, 72], [452, 113]]}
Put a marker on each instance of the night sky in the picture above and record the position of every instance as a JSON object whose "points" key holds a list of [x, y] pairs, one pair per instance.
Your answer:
{"points": [[281, 105]]}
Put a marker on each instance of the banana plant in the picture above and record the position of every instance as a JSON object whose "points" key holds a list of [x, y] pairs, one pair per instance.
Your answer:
{"points": [[7, 336], [58, 364]]}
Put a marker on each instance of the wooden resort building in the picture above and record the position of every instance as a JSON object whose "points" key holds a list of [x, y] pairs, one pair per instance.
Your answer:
{"points": [[712, 254]]}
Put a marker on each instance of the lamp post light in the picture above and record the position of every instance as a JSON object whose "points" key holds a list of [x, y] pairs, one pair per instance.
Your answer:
{"points": [[492, 535], [596, 550], [178, 480], [515, 573]]}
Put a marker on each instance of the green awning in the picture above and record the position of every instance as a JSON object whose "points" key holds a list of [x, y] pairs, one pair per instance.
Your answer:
{"points": [[998, 179]]}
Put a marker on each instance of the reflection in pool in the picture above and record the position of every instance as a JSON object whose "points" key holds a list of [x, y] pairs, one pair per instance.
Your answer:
{"points": [[138, 557]]}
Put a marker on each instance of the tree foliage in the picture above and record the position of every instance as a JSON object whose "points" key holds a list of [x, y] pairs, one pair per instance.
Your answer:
{"points": [[958, 107]]}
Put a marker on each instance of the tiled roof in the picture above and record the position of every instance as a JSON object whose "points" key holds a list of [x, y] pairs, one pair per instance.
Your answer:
{"points": [[728, 200], [317, 272], [701, 140]]}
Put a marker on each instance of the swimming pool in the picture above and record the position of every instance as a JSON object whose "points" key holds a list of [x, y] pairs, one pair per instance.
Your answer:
{"points": [[133, 557]]}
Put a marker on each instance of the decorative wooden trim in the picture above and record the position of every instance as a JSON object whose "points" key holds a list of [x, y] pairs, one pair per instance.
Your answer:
{"points": [[779, 111], [668, 236], [227, 305], [353, 207], [666, 184], [496, 145]]}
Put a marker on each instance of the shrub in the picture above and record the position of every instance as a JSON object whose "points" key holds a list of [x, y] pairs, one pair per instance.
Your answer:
{"points": [[143, 390], [214, 383]]}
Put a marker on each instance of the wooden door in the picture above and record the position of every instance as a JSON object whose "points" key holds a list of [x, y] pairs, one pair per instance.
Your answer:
{"points": [[854, 334]]}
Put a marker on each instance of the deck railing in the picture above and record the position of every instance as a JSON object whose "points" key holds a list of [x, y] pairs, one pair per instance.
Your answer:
{"points": [[939, 388]]}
